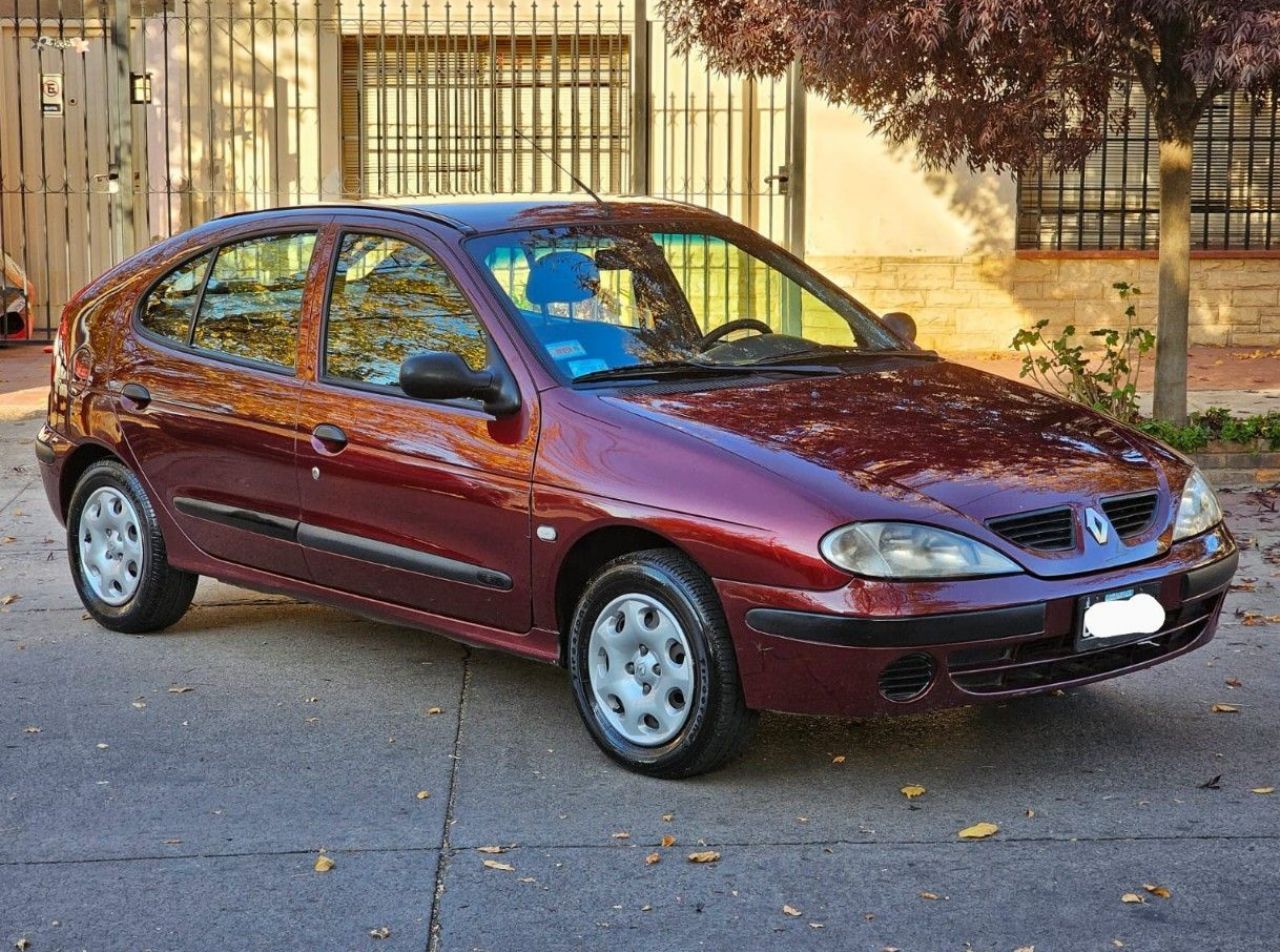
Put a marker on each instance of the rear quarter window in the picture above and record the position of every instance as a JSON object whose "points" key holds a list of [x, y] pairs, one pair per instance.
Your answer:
{"points": [[169, 306]]}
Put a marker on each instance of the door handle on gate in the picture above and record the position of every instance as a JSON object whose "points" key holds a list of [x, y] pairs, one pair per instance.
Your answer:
{"points": [[328, 438], [138, 395]]}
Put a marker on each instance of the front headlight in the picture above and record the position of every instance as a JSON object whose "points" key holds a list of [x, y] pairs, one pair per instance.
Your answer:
{"points": [[1198, 510], [911, 551]]}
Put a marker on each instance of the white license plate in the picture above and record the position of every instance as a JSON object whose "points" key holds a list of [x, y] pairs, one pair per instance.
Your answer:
{"points": [[1123, 614]]}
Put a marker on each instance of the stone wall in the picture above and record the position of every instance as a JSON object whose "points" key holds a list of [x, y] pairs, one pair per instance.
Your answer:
{"points": [[975, 303], [1240, 465]]}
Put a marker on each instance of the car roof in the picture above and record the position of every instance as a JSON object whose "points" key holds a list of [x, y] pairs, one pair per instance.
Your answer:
{"points": [[480, 214]]}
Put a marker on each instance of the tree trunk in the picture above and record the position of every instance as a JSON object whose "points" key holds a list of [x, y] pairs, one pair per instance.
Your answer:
{"points": [[1174, 302]]}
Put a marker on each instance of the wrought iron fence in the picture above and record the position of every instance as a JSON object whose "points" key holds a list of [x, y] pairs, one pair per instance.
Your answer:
{"points": [[124, 122]]}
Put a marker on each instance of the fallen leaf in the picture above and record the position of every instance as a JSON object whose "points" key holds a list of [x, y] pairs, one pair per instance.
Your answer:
{"points": [[423, 794], [324, 864], [140, 705], [646, 908], [668, 817], [7, 539], [31, 729], [706, 856], [494, 864], [667, 841], [382, 932], [526, 879], [817, 925], [305, 700], [652, 858], [1225, 709], [1264, 791], [620, 836], [911, 791], [180, 689], [432, 711], [792, 911], [929, 895], [1234, 682], [22, 945], [979, 831], [1030, 813], [9, 599], [1131, 898], [171, 842], [1025, 948], [838, 759], [1161, 891], [103, 746], [1213, 783]]}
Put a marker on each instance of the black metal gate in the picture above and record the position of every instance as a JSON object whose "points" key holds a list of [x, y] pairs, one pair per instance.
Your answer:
{"points": [[124, 122]]}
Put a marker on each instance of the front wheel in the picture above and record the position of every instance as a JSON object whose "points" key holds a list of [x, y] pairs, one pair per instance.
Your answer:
{"points": [[117, 554], [653, 667]]}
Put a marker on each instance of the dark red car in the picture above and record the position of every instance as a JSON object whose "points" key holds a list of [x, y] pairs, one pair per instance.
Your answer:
{"points": [[631, 438]]}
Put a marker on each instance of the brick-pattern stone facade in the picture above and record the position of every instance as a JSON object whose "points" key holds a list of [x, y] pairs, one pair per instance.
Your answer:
{"points": [[1239, 465], [975, 303]]}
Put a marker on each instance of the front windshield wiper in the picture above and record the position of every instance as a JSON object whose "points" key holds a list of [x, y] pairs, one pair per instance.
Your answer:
{"points": [[836, 353], [678, 368]]}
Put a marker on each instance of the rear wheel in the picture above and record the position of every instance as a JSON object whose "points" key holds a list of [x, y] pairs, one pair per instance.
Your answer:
{"points": [[654, 673], [117, 554]]}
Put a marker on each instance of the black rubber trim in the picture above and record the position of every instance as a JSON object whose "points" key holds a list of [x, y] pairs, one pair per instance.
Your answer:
{"points": [[899, 632], [277, 527], [1202, 581], [400, 557], [45, 453]]}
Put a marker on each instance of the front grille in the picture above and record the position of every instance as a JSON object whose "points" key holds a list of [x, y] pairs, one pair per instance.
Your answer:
{"points": [[1131, 515], [1049, 530], [907, 678], [1043, 662]]}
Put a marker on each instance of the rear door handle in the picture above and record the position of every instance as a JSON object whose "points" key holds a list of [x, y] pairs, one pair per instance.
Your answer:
{"points": [[136, 394], [327, 438]]}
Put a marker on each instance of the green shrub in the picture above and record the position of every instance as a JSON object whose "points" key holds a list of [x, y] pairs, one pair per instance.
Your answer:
{"points": [[1106, 381], [1216, 423]]}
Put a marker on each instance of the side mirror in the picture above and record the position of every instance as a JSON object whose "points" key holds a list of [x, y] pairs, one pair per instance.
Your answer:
{"points": [[442, 375], [902, 324]]}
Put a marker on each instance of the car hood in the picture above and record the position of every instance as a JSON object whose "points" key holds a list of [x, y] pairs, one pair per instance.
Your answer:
{"points": [[978, 444]]}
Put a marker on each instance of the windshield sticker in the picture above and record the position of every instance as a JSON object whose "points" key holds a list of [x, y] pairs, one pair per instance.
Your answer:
{"points": [[580, 368], [565, 349]]}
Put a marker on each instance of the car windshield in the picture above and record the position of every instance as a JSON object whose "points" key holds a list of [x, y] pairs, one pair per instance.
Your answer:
{"points": [[619, 301]]}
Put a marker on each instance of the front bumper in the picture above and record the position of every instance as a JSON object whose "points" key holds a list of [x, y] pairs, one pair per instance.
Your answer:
{"points": [[825, 653]]}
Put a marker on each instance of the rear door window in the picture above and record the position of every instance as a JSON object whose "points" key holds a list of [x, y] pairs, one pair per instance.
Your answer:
{"points": [[252, 301], [390, 300]]}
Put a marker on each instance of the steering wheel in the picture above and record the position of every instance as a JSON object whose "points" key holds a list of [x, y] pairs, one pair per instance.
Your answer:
{"points": [[741, 324]]}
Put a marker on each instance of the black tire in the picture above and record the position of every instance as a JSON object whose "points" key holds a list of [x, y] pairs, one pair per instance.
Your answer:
{"points": [[163, 593], [719, 724]]}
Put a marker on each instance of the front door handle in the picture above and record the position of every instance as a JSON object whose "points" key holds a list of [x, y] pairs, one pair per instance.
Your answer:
{"points": [[136, 394], [327, 438]]}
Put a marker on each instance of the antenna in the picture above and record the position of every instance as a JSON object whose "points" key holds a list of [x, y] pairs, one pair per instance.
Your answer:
{"points": [[573, 178]]}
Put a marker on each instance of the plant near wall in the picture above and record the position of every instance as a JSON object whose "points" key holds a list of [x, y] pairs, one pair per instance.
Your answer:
{"points": [[1106, 380], [1008, 84], [1217, 424]]}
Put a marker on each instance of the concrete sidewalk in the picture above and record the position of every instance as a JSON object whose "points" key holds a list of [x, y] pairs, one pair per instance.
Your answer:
{"points": [[1245, 381], [174, 791]]}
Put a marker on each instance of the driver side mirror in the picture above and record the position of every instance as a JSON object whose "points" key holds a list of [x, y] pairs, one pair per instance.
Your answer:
{"points": [[443, 375], [902, 324]]}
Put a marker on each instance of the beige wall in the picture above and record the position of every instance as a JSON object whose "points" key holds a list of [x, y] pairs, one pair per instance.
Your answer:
{"points": [[940, 246]]}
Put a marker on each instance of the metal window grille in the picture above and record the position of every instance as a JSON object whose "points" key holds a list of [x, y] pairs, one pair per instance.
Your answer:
{"points": [[1113, 200], [439, 114]]}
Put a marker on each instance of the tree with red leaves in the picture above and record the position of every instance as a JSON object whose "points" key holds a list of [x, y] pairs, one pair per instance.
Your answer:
{"points": [[1006, 84]]}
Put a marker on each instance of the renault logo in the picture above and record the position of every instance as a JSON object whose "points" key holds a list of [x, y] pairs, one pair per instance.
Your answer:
{"points": [[1096, 523]]}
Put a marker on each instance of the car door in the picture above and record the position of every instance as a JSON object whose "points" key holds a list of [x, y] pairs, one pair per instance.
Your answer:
{"points": [[416, 503], [208, 394]]}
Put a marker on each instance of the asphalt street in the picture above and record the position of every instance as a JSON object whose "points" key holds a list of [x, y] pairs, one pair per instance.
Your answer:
{"points": [[175, 792]]}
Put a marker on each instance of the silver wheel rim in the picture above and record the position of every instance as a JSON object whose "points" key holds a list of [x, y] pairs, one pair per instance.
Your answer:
{"points": [[641, 670], [111, 553]]}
